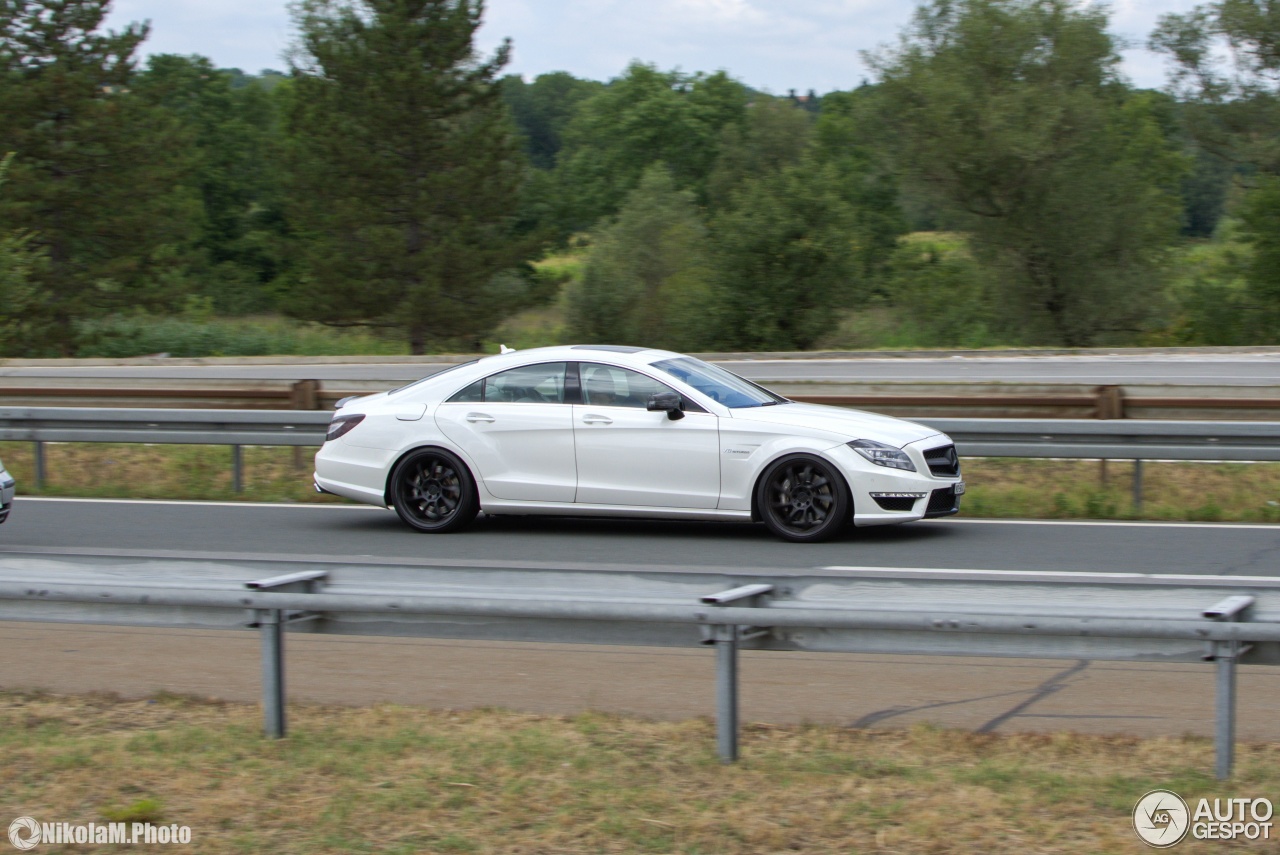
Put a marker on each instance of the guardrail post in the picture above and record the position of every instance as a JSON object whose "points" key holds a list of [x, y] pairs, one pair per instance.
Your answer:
{"points": [[237, 468], [725, 637], [304, 395], [39, 461], [1225, 655], [1109, 402], [726, 642], [1137, 486], [1225, 712], [271, 622]]}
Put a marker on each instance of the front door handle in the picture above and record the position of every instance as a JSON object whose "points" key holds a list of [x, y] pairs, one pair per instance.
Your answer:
{"points": [[480, 417], [597, 420]]}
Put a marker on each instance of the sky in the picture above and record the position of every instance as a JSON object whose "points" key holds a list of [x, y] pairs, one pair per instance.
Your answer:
{"points": [[771, 45]]}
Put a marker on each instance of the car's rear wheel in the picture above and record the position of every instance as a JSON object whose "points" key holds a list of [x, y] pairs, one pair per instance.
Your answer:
{"points": [[803, 499], [433, 491]]}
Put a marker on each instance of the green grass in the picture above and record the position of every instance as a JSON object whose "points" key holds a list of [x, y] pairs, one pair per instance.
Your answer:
{"points": [[402, 780]]}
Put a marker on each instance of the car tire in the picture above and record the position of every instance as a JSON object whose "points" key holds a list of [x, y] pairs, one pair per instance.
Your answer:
{"points": [[433, 491], [803, 499]]}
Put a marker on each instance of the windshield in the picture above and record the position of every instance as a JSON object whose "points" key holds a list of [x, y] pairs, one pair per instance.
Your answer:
{"points": [[719, 385]]}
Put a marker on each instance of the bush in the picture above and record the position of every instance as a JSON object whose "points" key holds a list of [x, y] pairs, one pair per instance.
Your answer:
{"points": [[190, 335]]}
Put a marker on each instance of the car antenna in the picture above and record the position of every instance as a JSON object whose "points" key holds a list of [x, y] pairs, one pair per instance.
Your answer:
{"points": [[502, 348]]}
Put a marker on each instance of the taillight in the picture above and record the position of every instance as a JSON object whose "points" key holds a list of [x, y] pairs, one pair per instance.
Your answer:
{"points": [[342, 425]]}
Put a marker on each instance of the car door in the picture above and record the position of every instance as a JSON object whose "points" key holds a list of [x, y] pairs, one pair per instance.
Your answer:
{"points": [[518, 429], [629, 456]]}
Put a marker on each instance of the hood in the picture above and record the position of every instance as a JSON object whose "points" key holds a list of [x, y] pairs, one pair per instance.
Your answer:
{"points": [[845, 423]]}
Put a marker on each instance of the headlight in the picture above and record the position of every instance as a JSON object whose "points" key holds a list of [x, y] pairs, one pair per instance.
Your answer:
{"points": [[341, 425], [883, 455]]}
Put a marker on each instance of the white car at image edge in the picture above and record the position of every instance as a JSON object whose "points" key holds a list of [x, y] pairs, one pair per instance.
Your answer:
{"points": [[7, 487], [603, 430]]}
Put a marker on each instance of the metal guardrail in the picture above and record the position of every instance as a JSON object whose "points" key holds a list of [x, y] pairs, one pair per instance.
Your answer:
{"points": [[1121, 439], [907, 398], [1113, 616], [1127, 439], [195, 427]]}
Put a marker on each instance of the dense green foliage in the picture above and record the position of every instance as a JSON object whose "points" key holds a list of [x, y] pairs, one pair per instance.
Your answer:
{"points": [[20, 264], [648, 276], [96, 180], [233, 126], [393, 181], [1012, 113]]}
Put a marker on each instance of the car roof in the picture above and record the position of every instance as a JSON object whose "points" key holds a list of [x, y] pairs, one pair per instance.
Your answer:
{"points": [[615, 353]]}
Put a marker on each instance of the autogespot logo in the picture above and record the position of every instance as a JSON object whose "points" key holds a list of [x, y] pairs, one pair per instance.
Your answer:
{"points": [[1161, 818], [24, 833]]}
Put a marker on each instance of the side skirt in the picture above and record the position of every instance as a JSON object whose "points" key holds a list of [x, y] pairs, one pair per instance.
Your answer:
{"points": [[568, 509]]}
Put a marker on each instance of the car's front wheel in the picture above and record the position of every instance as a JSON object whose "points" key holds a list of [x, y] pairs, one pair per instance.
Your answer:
{"points": [[803, 499], [433, 491]]}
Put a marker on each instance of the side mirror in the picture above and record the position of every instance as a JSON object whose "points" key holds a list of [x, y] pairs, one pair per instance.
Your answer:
{"points": [[668, 402]]}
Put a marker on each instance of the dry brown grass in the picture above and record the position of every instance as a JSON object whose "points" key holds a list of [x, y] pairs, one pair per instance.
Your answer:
{"points": [[399, 780], [135, 471]]}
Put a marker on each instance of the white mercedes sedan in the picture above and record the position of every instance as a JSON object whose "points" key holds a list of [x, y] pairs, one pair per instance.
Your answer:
{"points": [[602, 430]]}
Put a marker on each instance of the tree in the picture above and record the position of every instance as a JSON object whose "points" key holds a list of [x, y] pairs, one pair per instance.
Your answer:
{"points": [[233, 126], [644, 117], [1233, 103], [1013, 114], [775, 133], [646, 280], [404, 171], [96, 180], [20, 264], [543, 109], [785, 259], [1232, 108]]}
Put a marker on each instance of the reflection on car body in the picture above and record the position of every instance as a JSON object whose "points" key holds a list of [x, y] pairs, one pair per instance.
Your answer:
{"points": [[604, 430]]}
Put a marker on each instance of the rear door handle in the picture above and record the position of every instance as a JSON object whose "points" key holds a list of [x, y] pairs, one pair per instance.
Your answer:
{"points": [[480, 417], [597, 420]]}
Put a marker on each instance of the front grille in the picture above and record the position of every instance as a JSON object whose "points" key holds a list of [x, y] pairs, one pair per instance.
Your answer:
{"points": [[895, 503], [943, 502], [943, 462]]}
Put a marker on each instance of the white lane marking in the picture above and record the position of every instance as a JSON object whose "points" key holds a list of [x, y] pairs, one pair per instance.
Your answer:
{"points": [[1109, 523], [289, 505]]}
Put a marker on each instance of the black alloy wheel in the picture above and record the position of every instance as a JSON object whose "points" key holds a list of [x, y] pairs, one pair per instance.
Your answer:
{"points": [[433, 492], [803, 499]]}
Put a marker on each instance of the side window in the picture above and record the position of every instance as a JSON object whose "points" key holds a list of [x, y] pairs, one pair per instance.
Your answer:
{"points": [[471, 394], [608, 386], [529, 384]]}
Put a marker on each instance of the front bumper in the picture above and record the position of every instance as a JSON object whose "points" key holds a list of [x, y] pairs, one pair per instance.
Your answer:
{"points": [[943, 502], [883, 496]]}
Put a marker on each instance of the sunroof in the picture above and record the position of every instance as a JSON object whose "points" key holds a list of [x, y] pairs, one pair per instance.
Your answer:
{"points": [[611, 348]]}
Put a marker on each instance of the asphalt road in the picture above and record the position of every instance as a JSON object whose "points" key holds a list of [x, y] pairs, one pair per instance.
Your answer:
{"points": [[301, 530], [986, 695], [1235, 369]]}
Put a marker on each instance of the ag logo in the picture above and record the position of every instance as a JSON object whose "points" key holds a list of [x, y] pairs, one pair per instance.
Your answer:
{"points": [[1161, 818], [24, 833]]}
